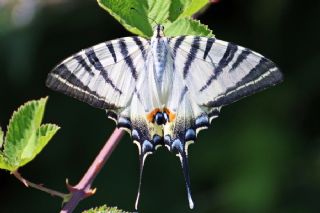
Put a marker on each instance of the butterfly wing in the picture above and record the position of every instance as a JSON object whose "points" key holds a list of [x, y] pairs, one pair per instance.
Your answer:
{"points": [[113, 76], [221, 72], [209, 74], [103, 75]]}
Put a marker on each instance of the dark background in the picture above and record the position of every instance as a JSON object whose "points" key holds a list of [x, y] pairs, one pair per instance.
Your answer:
{"points": [[261, 155]]}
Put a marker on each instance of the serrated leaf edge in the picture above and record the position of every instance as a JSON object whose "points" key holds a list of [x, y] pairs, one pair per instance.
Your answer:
{"points": [[12, 118], [192, 21], [15, 112], [1, 138], [206, 27], [54, 129]]}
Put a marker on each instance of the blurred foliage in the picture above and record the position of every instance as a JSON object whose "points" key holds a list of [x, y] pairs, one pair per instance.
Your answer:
{"points": [[261, 155], [104, 209]]}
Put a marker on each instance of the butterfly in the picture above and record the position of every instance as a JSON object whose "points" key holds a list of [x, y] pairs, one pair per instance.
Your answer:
{"points": [[163, 90]]}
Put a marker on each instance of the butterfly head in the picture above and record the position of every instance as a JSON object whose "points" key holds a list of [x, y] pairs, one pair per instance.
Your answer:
{"points": [[158, 31]]}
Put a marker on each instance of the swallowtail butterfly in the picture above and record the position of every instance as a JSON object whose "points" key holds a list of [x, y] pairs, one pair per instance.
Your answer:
{"points": [[163, 91]]}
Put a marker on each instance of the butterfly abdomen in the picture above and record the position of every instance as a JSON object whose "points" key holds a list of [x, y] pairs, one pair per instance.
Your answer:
{"points": [[159, 52]]}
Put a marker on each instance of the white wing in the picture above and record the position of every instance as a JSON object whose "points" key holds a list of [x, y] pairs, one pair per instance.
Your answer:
{"points": [[108, 76], [104, 75], [221, 73], [209, 74], [115, 76]]}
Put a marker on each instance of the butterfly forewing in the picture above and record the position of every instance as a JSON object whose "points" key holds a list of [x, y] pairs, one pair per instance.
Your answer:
{"points": [[222, 72], [96, 75]]}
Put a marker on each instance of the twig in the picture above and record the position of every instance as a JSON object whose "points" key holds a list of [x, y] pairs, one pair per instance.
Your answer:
{"points": [[38, 186], [83, 188]]}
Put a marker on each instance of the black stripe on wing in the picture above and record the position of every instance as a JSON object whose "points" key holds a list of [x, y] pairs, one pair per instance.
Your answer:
{"points": [[241, 57], [127, 58], [83, 64], [63, 80], [209, 44], [95, 62], [111, 50], [224, 62], [139, 43], [177, 44], [262, 76], [195, 45]]}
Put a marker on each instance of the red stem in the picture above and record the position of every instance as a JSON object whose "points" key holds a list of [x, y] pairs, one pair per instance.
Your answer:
{"points": [[28, 183], [83, 188]]}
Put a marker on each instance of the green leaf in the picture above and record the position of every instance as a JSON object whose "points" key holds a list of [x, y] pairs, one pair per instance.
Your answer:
{"points": [[44, 135], [138, 20], [193, 7], [147, 13], [185, 8], [4, 163], [104, 209], [22, 129], [187, 26], [25, 137], [1, 137]]}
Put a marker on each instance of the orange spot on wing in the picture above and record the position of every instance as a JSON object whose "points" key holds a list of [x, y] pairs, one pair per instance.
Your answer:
{"points": [[151, 114], [171, 115]]}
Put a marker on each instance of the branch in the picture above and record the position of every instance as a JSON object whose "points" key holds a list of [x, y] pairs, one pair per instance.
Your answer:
{"points": [[39, 186], [83, 188]]}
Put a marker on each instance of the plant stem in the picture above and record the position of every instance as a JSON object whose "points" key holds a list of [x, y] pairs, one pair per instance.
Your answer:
{"points": [[38, 186], [83, 188]]}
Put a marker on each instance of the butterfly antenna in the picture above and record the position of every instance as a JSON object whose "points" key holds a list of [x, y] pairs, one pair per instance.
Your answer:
{"points": [[185, 168], [132, 8]]}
